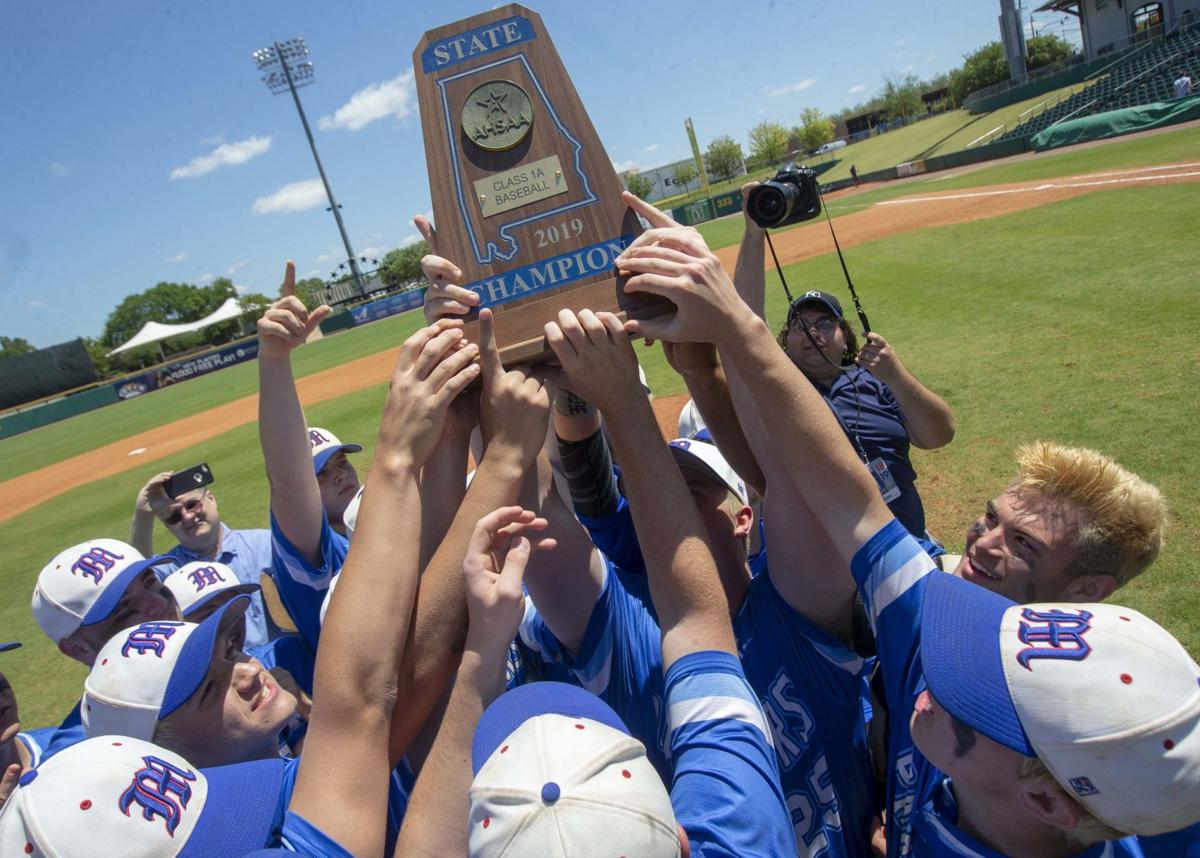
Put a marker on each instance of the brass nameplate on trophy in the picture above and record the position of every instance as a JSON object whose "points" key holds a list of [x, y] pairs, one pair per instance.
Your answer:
{"points": [[525, 198], [501, 192]]}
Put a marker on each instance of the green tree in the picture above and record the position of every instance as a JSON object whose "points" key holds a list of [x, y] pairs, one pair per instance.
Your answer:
{"points": [[902, 96], [13, 346], [685, 174], [768, 142], [310, 290], [815, 129], [1044, 50], [984, 67], [639, 185], [723, 157], [98, 352], [402, 266]]}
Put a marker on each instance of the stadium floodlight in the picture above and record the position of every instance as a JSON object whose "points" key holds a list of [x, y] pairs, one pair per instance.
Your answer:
{"points": [[286, 69]]}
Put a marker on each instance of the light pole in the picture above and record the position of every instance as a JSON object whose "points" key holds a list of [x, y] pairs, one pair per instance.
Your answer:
{"points": [[286, 69]]}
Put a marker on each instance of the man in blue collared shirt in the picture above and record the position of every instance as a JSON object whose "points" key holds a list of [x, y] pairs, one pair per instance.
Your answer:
{"points": [[192, 518]]}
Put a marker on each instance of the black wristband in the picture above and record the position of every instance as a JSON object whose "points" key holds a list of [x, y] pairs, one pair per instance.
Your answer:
{"points": [[587, 465]]}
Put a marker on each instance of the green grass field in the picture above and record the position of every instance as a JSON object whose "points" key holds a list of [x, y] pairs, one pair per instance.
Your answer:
{"points": [[1062, 322], [1171, 147]]}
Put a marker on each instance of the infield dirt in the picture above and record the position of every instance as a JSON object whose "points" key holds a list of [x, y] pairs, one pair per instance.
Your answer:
{"points": [[926, 209]]}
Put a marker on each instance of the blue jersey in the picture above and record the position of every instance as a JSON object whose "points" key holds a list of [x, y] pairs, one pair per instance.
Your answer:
{"points": [[616, 537], [301, 585], [891, 570], [66, 734], [400, 787], [1177, 844], [726, 791], [300, 835], [290, 652], [810, 685]]}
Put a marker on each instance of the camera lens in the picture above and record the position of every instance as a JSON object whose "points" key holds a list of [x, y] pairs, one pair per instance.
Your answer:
{"points": [[771, 202]]}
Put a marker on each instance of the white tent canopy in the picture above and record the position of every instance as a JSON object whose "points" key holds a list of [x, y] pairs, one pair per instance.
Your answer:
{"points": [[152, 332]]}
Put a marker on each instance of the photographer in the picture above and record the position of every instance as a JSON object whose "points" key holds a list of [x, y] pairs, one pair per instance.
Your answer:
{"points": [[880, 405], [192, 518]]}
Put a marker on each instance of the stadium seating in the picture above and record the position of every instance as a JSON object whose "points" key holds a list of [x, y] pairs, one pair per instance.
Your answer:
{"points": [[1143, 76]]}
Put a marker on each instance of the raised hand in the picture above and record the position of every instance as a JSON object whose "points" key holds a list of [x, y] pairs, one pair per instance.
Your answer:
{"points": [[287, 323], [494, 568], [152, 497], [880, 358], [674, 261], [691, 359], [596, 356], [443, 298], [514, 407], [435, 365]]}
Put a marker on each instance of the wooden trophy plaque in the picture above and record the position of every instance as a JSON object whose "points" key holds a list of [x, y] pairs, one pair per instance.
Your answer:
{"points": [[525, 198]]}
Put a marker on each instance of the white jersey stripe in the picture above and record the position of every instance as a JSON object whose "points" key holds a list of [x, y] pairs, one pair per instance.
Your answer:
{"points": [[699, 709]]}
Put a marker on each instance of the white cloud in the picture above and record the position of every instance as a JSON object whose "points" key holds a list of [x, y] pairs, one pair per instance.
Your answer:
{"points": [[225, 155], [391, 97], [622, 166], [293, 197], [215, 140], [856, 89], [791, 87], [331, 255], [899, 43], [34, 303], [315, 272], [927, 60], [413, 238], [58, 169], [204, 278], [651, 148], [178, 257], [233, 269], [907, 68]]}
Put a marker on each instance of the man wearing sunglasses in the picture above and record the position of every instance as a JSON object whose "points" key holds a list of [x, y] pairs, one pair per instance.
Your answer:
{"points": [[193, 519]]}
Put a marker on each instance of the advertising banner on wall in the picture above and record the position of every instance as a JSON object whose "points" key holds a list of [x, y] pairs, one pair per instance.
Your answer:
{"points": [[196, 365]]}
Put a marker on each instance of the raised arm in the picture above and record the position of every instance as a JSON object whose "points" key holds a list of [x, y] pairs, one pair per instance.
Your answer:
{"points": [[514, 409], [749, 275], [282, 430], [693, 616], [151, 501], [928, 418], [500, 547], [675, 262], [344, 771]]}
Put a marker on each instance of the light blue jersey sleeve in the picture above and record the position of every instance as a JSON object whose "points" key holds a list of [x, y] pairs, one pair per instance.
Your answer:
{"points": [[891, 571], [726, 791], [301, 585], [616, 537]]}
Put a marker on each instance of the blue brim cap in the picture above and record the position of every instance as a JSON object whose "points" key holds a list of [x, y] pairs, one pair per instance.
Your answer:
{"points": [[238, 590], [6, 646], [826, 300], [194, 658], [960, 654], [513, 708], [107, 601], [324, 456], [243, 809]]}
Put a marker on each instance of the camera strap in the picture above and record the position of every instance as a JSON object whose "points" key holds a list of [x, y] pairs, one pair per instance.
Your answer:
{"points": [[858, 308]]}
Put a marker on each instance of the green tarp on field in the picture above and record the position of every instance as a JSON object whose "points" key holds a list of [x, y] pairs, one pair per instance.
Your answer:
{"points": [[1115, 122]]}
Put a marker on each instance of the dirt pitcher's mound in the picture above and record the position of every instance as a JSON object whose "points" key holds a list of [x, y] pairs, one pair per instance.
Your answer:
{"points": [[921, 210]]}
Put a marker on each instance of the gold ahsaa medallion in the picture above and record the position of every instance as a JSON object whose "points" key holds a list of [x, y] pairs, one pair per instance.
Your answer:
{"points": [[497, 115]]}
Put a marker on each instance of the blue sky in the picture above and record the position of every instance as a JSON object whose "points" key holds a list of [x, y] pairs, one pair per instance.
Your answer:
{"points": [[139, 144]]}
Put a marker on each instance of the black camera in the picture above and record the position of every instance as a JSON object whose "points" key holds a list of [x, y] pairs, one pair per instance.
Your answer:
{"points": [[792, 196]]}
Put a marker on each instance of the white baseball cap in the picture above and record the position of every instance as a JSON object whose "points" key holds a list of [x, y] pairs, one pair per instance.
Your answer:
{"points": [[115, 795], [1104, 696], [146, 672], [82, 585], [324, 444], [198, 583], [691, 423], [690, 452], [350, 514], [556, 773]]}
